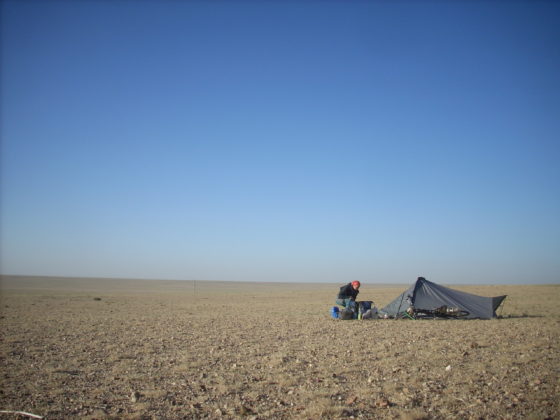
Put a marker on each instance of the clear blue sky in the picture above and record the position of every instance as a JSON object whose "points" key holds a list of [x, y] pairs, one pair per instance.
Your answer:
{"points": [[281, 140]]}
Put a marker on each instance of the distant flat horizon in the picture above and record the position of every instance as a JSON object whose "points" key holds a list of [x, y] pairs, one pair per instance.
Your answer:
{"points": [[364, 282]]}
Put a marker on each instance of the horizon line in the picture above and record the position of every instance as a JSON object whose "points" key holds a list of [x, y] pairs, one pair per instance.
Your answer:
{"points": [[68, 277]]}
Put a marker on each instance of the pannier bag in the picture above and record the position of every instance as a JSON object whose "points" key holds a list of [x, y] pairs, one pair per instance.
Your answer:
{"points": [[346, 313], [365, 306], [335, 312]]}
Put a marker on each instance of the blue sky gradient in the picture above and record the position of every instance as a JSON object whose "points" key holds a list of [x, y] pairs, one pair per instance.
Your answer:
{"points": [[281, 141]]}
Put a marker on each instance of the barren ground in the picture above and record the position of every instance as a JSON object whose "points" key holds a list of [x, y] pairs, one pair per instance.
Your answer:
{"points": [[99, 348]]}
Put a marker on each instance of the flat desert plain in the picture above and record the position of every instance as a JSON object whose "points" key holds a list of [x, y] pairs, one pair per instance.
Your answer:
{"points": [[139, 349]]}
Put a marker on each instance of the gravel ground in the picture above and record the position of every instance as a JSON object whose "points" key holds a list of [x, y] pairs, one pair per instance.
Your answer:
{"points": [[124, 349]]}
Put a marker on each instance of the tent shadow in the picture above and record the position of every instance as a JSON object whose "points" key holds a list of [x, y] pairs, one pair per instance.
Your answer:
{"points": [[516, 316]]}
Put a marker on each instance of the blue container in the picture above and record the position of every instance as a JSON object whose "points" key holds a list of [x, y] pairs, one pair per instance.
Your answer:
{"points": [[335, 312]]}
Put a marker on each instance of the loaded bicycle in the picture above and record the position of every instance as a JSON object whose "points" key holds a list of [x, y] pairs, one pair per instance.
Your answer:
{"points": [[442, 312]]}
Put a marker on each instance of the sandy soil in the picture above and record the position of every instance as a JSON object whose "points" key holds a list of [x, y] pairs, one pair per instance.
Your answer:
{"points": [[98, 348]]}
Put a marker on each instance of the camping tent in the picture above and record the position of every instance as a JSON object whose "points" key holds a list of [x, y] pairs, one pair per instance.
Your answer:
{"points": [[427, 295]]}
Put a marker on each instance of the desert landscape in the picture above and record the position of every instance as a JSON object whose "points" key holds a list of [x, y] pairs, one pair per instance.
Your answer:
{"points": [[143, 349]]}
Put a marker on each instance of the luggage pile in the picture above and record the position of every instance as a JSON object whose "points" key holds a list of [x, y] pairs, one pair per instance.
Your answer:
{"points": [[355, 310]]}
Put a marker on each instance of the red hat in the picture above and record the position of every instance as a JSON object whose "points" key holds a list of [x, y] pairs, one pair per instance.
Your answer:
{"points": [[356, 283]]}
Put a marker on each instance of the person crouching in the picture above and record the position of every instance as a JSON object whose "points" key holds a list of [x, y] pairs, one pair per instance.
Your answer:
{"points": [[348, 293]]}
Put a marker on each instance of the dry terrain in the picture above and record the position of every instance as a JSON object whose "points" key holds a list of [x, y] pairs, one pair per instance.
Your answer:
{"points": [[126, 349]]}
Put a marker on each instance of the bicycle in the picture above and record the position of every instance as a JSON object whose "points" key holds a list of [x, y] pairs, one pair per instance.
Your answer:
{"points": [[443, 312]]}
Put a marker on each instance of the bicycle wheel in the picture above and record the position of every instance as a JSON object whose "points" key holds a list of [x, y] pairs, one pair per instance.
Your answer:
{"points": [[424, 314]]}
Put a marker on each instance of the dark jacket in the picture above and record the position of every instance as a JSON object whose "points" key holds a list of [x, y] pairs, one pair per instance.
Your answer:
{"points": [[348, 292]]}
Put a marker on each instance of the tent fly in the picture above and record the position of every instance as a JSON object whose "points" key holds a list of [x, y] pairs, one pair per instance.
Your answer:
{"points": [[427, 296]]}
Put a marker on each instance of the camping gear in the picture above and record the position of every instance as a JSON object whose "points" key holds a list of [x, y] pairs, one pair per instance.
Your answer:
{"points": [[370, 312], [439, 313], [425, 295], [346, 313], [335, 312], [365, 305], [355, 310], [367, 314]]}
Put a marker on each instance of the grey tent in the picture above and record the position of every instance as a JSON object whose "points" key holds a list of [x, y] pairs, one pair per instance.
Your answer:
{"points": [[427, 295]]}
